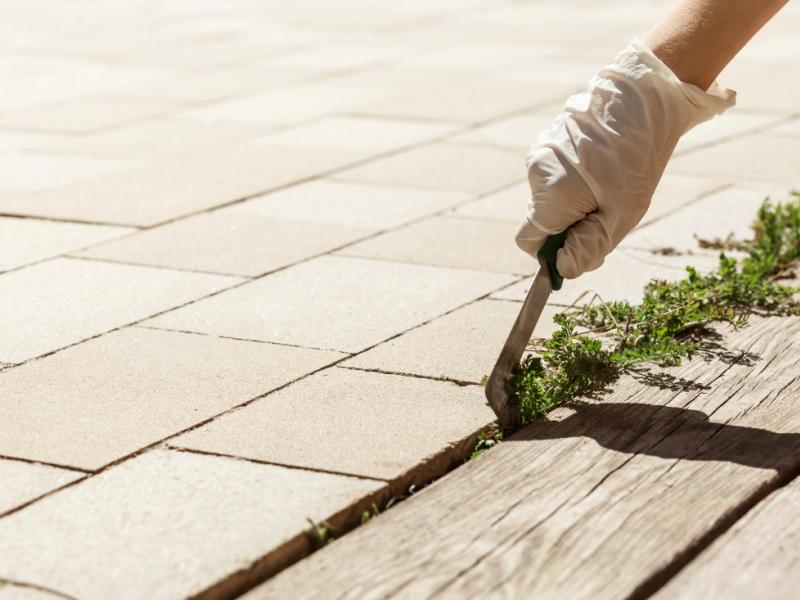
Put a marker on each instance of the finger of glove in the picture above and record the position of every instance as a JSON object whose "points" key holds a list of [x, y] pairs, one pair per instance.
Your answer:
{"points": [[585, 248]]}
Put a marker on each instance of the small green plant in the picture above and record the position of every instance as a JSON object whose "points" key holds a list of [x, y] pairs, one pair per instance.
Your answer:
{"points": [[320, 534], [486, 439], [595, 343]]}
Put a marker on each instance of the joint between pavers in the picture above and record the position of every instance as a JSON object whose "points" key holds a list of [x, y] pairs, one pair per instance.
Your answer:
{"points": [[34, 586], [443, 378], [275, 464]]}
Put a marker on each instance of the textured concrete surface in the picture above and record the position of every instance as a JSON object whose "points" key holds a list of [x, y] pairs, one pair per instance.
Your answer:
{"points": [[166, 525], [23, 481], [193, 146], [45, 307], [339, 303], [461, 345], [343, 420], [110, 396]]}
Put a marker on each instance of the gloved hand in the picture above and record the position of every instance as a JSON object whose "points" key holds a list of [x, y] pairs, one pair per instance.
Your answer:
{"points": [[597, 165]]}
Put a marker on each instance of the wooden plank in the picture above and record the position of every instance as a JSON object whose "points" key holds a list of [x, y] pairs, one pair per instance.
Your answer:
{"points": [[759, 557], [606, 500]]}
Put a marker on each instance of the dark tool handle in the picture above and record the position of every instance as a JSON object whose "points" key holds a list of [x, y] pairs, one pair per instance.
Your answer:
{"points": [[547, 257]]}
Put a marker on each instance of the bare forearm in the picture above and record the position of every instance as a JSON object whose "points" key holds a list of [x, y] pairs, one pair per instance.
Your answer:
{"points": [[697, 38]]}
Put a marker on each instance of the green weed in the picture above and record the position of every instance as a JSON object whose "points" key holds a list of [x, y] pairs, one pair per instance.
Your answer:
{"points": [[596, 343]]}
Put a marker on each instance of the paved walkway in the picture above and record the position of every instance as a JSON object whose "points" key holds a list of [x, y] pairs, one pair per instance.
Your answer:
{"points": [[257, 256]]}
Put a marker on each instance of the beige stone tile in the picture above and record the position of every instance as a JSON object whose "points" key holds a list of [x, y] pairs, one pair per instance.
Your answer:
{"points": [[355, 134], [444, 167], [448, 241], [789, 127], [348, 204], [62, 301], [12, 591], [402, 422], [131, 388], [166, 525], [22, 482], [764, 84], [338, 56], [462, 345], [676, 191], [732, 123], [517, 132], [756, 157], [24, 241], [286, 105], [182, 185], [233, 244], [509, 204], [471, 101], [728, 211], [27, 172], [623, 276], [82, 115], [334, 302], [160, 137]]}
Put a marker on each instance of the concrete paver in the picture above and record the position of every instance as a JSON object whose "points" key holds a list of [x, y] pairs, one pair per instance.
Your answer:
{"points": [[755, 157], [23, 482], [734, 210], [449, 241], [355, 134], [339, 303], [46, 307], [24, 241], [402, 422], [461, 345], [623, 276], [178, 186], [509, 204], [166, 525], [30, 172], [347, 204], [444, 166], [106, 398], [227, 243]]}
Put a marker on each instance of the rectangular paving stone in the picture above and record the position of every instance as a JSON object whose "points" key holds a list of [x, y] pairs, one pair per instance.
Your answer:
{"points": [[733, 209], [23, 481], [24, 241], [756, 157], [355, 134], [401, 422], [178, 186], [110, 396], [82, 115], [509, 204], [30, 172], [331, 302], [62, 301], [233, 244], [675, 191], [517, 132], [348, 204], [623, 276], [160, 137], [169, 525], [732, 123], [462, 345], [444, 167], [450, 241], [288, 104]]}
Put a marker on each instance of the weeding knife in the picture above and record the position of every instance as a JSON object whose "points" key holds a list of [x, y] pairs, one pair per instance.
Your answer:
{"points": [[546, 280]]}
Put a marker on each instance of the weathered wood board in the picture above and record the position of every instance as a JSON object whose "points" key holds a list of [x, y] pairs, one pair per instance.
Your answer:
{"points": [[759, 557], [608, 500]]}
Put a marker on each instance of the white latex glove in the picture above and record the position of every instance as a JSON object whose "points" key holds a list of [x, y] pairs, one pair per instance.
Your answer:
{"points": [[597, 165]]}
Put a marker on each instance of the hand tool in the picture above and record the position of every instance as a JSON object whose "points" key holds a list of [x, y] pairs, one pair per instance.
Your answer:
{"points": [[545, 281]]}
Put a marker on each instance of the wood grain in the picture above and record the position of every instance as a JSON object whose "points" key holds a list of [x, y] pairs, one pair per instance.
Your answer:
{"points": [[606, 500], [758, 558]]}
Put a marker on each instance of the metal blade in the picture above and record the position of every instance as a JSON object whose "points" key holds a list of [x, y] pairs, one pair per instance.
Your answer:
{"points": [[508, 414]]}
